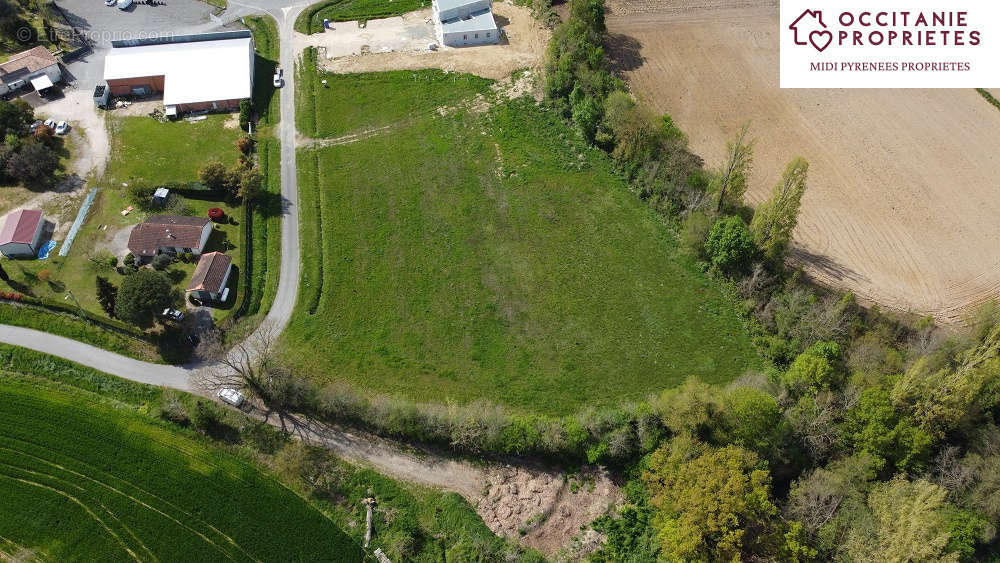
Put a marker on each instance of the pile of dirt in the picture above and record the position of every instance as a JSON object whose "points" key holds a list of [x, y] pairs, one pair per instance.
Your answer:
{"points": [[545, 510]]}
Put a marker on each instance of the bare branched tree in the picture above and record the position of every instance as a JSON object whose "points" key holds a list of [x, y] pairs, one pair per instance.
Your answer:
{"points": [[249, 366]]}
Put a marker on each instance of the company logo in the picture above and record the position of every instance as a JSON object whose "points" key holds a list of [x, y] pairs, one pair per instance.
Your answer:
{"points": [[888, 44], [820, 39]]}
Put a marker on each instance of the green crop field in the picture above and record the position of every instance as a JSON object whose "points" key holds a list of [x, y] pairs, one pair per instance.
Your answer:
{"points": [[88, 483], [466, 256]]}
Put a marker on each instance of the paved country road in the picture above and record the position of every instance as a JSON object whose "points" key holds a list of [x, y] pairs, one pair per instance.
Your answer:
{"points": [[385, 456]]}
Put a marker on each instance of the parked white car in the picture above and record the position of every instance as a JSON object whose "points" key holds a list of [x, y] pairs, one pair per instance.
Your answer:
{"points": [[50, 123], [231, 396], [62, 128], [279, 77], [109, 2], [124, 4], [173, 314]]}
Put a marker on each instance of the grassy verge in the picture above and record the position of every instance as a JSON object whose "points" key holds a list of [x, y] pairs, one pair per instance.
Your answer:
{"points": [[468, 256], [81, 481], [352, 103], [412, 523], [262, 266], [72, 326], [311, 19]]}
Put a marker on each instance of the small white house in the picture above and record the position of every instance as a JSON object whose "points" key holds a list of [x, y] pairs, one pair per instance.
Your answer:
{"points": [[36, 66], [460, 23], [170, 234], [21, 234]]}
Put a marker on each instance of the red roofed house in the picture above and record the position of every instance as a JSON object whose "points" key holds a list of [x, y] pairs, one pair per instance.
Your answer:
{"points": [[171, 234], [21, 234], [37, 66], [211, 276]]}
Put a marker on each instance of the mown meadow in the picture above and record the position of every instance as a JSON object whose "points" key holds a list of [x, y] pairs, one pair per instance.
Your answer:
{"points": [[462, 255]]}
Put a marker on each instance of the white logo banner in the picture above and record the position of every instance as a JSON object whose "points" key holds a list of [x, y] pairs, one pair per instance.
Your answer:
{"points": [[890, 44]]}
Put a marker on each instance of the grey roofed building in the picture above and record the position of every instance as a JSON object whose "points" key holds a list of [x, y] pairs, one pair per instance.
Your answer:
{"points": [[465, 22]]}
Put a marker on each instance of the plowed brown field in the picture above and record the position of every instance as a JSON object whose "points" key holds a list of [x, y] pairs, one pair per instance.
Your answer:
{"points": [[903, 206]]}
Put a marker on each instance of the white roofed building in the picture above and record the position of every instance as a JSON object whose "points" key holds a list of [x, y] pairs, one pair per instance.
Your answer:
{"points": [[193, 72], [458, 23]]}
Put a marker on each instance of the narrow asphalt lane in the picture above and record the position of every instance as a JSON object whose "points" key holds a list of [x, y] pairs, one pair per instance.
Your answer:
{"points": [[178, 377]]}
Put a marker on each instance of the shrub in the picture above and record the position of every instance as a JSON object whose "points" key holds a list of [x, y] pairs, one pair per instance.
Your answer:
{"points": [[694, 232], [246, 107], [129, 259], [140, 193], [162, 261], [245, 144], [730, 245]]}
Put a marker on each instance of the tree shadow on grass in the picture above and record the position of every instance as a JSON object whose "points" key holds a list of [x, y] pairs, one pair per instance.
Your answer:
{"points": [[269, 204]]}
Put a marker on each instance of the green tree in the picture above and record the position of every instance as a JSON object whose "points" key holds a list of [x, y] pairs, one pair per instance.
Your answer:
{"points": [[713, 504], [910, 524], [731, 178], [33, 164], [633, 130], [753, 420], [250, 184], [15, 117], [106, 295], [775, 220], [814, 370], [875, 426], [141, 296], [215, 176], [730, 245]]}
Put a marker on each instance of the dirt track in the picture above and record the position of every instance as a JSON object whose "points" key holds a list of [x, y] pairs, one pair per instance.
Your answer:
{"points": [[904, 184]]}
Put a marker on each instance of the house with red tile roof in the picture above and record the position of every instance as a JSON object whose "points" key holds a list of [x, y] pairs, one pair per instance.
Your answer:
{"points": [[36, 66], [211, 276]]}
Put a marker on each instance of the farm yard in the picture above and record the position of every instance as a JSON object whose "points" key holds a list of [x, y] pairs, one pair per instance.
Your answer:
{"points": [[901, 207], [463, 255], [83, 481]]}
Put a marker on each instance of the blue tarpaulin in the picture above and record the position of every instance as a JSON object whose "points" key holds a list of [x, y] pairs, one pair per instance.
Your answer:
{"points": [[46, 248]]}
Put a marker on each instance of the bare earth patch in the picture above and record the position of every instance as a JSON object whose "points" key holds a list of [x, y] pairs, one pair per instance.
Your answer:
{"points": [[904, 184], [544, 510], [524, 47]]}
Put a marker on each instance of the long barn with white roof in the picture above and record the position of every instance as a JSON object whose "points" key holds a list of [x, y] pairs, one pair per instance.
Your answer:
{"points": [[207, 71]]}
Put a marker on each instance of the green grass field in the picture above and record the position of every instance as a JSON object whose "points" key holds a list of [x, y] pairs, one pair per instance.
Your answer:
{"points": [[389, 98], [85, 483], [311, 19], [492, 256]]}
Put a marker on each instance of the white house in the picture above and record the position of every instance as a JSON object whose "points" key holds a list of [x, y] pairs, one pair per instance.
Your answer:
{"points": [[206, 71], [21, 234], [210, 277], [459, 23], [170, 234], [36, 66]]}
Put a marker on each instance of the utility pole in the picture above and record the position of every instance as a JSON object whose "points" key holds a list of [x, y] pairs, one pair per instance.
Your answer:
{"points": [[69, 294]]}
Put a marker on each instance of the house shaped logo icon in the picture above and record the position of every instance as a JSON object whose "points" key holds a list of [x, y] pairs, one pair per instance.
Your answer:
{"points": [[809, 29]]}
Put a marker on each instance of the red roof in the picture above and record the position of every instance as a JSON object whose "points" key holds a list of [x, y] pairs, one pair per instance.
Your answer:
{"points": [[210, 274], [20, 227]]}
